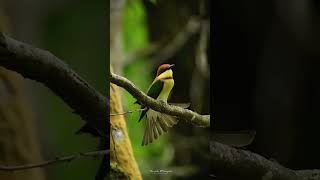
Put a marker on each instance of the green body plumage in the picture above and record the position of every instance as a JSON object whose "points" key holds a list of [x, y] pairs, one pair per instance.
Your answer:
{"points": [[158, 123]]}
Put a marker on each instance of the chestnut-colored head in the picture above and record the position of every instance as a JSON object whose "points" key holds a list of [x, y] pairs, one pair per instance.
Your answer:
{"points": [[164, 67]]}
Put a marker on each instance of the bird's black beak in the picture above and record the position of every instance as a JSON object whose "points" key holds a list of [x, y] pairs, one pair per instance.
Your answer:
{"points": [[171, 66]]}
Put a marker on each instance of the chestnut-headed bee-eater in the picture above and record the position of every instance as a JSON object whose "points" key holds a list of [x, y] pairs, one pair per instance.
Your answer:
{"points": [[157, 123]]}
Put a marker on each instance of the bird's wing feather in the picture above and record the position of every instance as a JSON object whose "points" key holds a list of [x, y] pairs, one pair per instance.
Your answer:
{"points": [[156, 125], [153, 91], [142, 113]]}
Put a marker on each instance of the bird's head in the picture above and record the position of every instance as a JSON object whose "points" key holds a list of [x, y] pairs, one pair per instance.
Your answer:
{"points": [[165, 72]]}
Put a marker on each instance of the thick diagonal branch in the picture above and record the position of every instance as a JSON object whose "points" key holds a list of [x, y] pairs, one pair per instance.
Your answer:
{"points": [[44, 67], [184, 114], [246, 164]]}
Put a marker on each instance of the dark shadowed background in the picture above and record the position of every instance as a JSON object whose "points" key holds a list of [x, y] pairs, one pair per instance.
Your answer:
{"points": [[266, 76]]}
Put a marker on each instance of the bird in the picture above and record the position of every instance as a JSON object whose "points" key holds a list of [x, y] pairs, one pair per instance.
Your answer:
{"points": [[157, 123]]}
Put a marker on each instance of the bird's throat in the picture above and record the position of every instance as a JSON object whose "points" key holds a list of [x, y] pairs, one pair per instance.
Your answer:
{"points": [[167, 87]]}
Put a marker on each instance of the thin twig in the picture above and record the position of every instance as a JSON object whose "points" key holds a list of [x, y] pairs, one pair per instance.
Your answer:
{"points": [[183, 114], [127, 112], [56, 160]]}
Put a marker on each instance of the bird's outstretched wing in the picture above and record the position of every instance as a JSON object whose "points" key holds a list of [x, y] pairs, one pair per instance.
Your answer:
{"points": [[153, 91], [156, 125]]}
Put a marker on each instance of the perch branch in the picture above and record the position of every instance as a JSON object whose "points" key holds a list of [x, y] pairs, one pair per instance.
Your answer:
{"points": [[56, 160], [254, 166], [44, 67], [184, 114], [127, 112]]}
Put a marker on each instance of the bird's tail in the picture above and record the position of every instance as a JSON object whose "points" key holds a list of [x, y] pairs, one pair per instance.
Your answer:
{"points": [[156, 125]]}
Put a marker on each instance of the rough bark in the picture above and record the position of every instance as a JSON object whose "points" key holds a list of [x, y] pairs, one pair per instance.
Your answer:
{"points": [[121, 150], [122, 161]]}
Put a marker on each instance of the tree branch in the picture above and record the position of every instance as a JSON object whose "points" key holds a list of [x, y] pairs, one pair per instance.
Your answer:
{"points": [[253, 166], [184, 114], [44, 67], [56, 160], [127, 112]]}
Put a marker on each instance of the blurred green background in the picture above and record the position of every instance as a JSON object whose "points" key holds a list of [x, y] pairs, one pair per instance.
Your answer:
{"points": [[158, 154], [183, 150]]}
